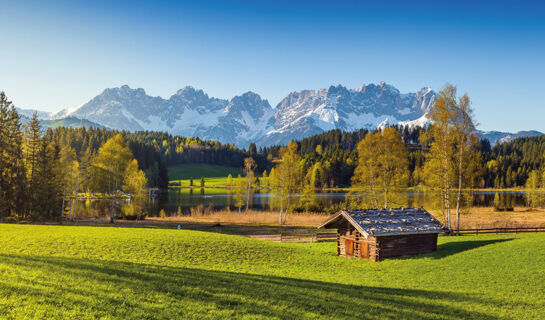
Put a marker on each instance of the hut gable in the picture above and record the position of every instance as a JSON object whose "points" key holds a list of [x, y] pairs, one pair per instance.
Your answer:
{"points": [[387, 222]]}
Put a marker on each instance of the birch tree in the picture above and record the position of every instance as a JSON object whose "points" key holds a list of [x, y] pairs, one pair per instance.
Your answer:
{"points": [[441, 139], [286, 178], [249, 167], [465, 139]]}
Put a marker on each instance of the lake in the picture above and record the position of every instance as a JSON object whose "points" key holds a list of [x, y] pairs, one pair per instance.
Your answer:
{"points": [[217, 199]]}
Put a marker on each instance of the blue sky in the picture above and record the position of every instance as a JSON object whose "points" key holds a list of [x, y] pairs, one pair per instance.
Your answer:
{"points": [[58, 54]]}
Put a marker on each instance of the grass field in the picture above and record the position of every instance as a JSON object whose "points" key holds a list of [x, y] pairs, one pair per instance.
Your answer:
{"points": [[196, 171], [214, 176], [113, 273]]}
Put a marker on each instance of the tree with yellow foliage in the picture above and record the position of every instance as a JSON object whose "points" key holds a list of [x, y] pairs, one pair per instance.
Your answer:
{"points": [[135, 183], [108, 169], [286, 178], [382, 165]]}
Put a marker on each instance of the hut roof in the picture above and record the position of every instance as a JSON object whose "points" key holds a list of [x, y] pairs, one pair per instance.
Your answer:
{"points": [[387, 222]]}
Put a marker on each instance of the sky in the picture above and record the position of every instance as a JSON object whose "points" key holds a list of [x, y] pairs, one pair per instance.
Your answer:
{"points": [[59, 54]]}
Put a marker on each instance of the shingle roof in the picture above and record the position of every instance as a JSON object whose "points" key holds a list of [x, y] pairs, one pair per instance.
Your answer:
{"points": [[383, 222]]}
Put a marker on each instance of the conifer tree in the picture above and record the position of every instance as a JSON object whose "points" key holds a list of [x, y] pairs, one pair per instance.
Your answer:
{"points": [[46, 188], [32, 146], [68, 169], [12, 172]]}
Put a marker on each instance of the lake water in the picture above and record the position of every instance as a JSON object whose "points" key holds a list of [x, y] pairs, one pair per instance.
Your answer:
{"points": [[217, 199]]}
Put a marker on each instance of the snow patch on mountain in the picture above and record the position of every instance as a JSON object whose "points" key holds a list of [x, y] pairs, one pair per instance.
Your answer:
{"points": [[500, 137], [249, 118]]}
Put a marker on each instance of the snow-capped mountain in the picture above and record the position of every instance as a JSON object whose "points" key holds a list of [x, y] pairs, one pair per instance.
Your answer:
{"points": [[189, 112], [310, 112], [249, 118], [28, 113], [501, 137]]}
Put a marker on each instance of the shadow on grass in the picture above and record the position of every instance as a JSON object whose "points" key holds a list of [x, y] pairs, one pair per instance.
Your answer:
{"points": [[128, 290], [454, 247]]}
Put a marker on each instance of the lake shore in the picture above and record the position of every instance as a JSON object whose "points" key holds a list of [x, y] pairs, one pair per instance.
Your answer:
{"points": [[266, 222]]}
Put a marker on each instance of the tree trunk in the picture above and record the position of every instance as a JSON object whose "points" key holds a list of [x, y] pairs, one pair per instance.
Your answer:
{"points": [[459, 188], [248, 188], [287, 208], [447, 182], [443, 206], [75, 206], [281, 208], [63, 196], [385, 197], [71, 211], [111, 211]]}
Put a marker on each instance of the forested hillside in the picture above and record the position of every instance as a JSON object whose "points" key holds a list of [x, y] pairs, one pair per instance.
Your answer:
{"points": [[87, 141]]}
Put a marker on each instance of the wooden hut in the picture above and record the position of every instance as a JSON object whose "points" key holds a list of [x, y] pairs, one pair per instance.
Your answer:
{"points": [[379, 234]]}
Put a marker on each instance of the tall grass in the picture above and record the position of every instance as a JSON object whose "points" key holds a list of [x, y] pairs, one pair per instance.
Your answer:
{"points": [[208, 214]]}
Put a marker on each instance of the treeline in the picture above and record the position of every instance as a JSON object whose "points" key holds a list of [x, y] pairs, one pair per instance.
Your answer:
{"points": [[30, 177], [43, 173], [334, 156], [86, 142], [505, 165], [180, 150], [518, 163]]}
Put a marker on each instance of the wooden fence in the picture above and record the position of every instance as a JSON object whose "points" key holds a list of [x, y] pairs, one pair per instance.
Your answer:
{"points": [[498, 230], [318, 237], [330, 237]]}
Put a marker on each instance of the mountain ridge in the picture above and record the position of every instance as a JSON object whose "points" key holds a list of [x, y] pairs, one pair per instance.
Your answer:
{"points": [[249, 118]]}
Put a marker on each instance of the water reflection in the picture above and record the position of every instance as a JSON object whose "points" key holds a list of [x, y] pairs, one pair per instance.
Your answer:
{"points": [[175, 202]]}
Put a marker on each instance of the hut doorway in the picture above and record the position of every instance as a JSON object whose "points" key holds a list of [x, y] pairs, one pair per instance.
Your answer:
{"points": [[364, 250], [349, 247]]}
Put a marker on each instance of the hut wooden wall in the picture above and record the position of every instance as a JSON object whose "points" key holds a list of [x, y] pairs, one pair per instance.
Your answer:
{"points": [[360, 247], [395, 246]]}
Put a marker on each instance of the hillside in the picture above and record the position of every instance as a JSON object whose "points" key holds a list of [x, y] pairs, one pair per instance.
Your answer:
{"points": [[93, 272], [69, 122]]}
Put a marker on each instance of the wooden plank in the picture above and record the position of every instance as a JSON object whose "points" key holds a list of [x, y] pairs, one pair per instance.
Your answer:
{"points": [[349, 247]]}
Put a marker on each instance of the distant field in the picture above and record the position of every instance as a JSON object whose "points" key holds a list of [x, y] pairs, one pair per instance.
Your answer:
{"points": [[214, 176], [196, 171], [69, 123], [56, 272]]}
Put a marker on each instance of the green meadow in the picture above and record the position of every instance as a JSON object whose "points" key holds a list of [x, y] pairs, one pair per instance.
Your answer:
{"points": [[214, 175], [139, 273], [196, 171]]}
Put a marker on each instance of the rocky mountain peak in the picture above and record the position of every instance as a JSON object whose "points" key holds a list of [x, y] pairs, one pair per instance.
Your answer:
{"points": [[249, 118]]}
